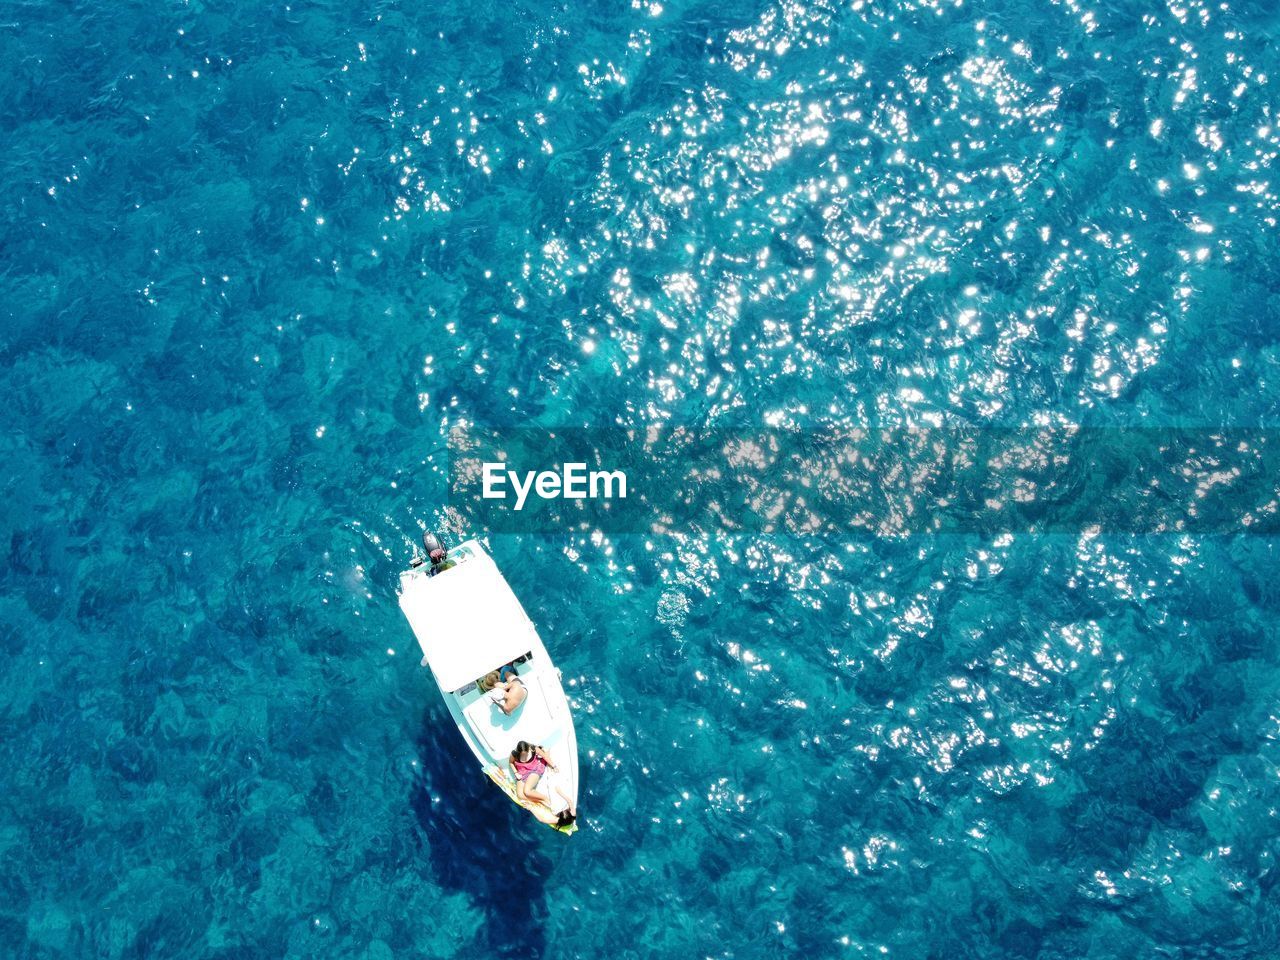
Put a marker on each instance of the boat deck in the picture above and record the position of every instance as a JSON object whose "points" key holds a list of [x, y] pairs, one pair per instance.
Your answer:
{"points": [[538, 720]]}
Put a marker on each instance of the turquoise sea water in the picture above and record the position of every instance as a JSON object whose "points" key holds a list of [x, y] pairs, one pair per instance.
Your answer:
{"points": [[257, 260]]}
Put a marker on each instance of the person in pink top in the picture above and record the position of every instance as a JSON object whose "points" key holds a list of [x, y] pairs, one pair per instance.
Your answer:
{"points": [[530, 763]]}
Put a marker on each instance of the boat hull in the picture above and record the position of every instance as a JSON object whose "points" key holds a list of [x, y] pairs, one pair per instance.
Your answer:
{"points": [[469, 622]]}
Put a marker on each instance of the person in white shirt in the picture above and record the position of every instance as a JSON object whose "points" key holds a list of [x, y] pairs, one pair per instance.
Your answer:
{"points": [[507, 695]]}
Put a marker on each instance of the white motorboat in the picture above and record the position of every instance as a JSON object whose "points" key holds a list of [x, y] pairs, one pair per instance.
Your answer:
{"points": [[469, 623]]}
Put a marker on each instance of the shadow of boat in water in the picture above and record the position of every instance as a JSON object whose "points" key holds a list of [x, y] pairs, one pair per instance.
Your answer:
{"points": [[479, 843]]}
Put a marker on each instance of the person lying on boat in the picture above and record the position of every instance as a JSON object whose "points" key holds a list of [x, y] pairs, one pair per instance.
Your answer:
{"points": [[529, 764], [557, 814], [506, 694]]}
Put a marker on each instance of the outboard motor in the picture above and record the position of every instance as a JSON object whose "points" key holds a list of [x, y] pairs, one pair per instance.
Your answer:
{"points": [[435, 549], [436, 553]]}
